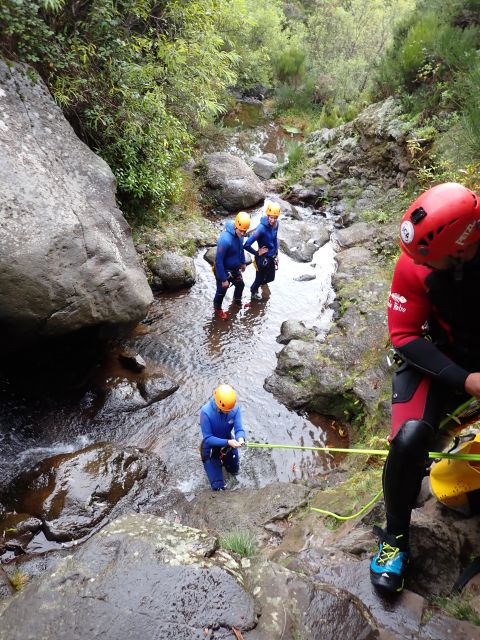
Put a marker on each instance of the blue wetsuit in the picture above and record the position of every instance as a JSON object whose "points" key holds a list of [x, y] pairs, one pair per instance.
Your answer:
{"points": [[229, 258], [265, 235], [217, 429]]}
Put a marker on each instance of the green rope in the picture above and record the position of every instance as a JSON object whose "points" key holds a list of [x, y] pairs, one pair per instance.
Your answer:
{"points": [[354, 515], [368, 452], [378, 452]]}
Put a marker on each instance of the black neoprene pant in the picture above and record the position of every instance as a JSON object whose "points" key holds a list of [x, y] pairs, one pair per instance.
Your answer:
{"points": [[419, 405]]}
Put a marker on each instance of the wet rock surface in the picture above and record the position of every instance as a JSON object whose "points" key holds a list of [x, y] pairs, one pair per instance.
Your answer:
{"points": [[264, 166], [350, 364], [300, 240], [226, 511], [70, 494], [143, 574], [295, 330], [141, 577], [295, 606], [123, 394], [6, 588]]}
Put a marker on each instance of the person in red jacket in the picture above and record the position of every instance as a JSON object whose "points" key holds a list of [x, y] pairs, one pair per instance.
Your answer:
{"points": [[433, 320]]}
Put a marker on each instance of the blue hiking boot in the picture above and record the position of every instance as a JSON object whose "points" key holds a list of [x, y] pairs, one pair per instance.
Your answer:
{"points": [[389, 565]]}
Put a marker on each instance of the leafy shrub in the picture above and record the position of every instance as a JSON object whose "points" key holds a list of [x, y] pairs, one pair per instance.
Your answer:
{"points": [[134, 77], [428, 58], [288, 98], [290, 65]]}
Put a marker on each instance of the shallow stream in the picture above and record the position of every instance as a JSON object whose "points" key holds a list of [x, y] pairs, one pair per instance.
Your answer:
{"points": [[198, 351]]}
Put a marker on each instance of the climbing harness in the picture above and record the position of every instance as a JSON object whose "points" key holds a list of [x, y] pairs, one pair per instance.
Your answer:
{"points": [[215, 452]]}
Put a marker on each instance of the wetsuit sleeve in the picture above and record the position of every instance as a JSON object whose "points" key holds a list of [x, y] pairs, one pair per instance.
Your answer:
{"points": [[209, 439], [238, 425], [275, 242], [255, 237], [242, 254], [222, 248], [409, 308]]}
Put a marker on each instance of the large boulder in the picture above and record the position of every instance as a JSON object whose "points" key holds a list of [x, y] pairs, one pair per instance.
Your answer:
{"points": [[300, 240], [67, 259], [141, 577], [71, 493], [265, 165], [231, 182], [172, 271]]}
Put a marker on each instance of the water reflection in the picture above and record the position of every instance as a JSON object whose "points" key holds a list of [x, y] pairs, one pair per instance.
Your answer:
{"points": [[182, 338]]}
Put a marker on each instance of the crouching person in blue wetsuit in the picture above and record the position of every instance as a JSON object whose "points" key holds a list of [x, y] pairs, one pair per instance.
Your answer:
{"points": [[266, 257], [218, 417], [230, 262]]}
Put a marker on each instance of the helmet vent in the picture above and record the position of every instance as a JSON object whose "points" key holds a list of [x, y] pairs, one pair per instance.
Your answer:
{"points": [[418, 215]]}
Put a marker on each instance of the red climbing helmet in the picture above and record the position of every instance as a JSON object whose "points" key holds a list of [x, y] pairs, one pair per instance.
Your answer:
{"points": [[443, 221]]}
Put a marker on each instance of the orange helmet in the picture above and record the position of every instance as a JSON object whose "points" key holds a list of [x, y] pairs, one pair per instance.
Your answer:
{"points": [[443, 221], [272, 209], [225, 397], [242, 221]]}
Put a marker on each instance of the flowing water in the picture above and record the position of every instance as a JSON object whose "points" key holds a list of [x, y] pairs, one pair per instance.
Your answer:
{"points": [[205, 351], [198, 351], [183, 339]]}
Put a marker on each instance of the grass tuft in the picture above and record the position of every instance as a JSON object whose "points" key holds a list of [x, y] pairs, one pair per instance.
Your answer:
{"points": [[18, 579], [240, 541]]}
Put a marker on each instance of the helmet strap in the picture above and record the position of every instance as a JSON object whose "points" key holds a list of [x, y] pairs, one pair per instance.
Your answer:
{"points": [[457, 265]]}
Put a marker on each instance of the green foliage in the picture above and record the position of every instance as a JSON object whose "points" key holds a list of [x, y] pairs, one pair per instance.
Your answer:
{"points": [[297, 161], [345, 39], [470, 87], [378, 216], [290, 65], [240, 541], [296, 153], [133, 77], [433, 67], [288, 98], [431, 58], [255, 31], [458, 607]]}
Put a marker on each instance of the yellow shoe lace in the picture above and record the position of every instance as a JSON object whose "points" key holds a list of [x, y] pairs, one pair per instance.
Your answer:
{"points": [[387, 553]]}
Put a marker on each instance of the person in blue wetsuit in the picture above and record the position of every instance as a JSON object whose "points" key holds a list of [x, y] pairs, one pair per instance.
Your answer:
{"points": [[266, 257], [218, 417], [230, 262]]}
